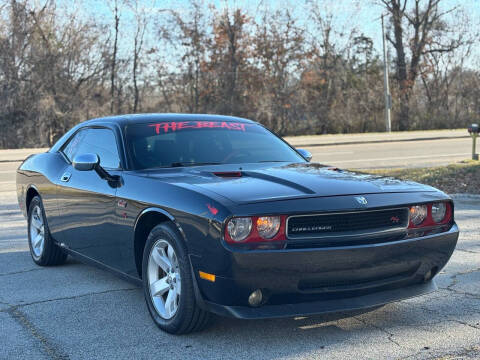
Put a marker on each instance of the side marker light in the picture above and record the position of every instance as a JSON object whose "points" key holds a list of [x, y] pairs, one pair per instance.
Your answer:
{"points": [[207, 276]]}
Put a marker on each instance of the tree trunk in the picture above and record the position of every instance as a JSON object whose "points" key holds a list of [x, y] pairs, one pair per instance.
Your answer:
{"points": [[135, 85], [404, 113], [402, 74], [114, 59]]}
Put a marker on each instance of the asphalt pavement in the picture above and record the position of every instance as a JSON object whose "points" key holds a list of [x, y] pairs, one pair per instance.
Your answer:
{"points": [[76, 311]]}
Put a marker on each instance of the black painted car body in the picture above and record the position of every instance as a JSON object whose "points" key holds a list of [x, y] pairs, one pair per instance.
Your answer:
{"points": [[108, 225]]}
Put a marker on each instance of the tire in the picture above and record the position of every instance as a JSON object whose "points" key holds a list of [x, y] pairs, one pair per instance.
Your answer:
{"points": [[168, 284], [43, 249]]}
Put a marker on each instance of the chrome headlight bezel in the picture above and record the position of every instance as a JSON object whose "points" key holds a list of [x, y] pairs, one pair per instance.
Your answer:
{"points": [[239, 228], [418, 214], [268, 226], [439, 211]]}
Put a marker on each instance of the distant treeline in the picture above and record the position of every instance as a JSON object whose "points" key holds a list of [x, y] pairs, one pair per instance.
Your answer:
{"points": [[297, 74]]}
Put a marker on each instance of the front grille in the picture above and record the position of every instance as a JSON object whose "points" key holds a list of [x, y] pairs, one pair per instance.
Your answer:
{"points": [[359, 223], [366, 278]]}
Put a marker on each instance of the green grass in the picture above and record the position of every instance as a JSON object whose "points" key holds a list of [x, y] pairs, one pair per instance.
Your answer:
{"points": [[463, 177]]}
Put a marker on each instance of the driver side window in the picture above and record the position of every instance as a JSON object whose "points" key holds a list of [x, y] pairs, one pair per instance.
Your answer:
{"points": [[97, 141]]}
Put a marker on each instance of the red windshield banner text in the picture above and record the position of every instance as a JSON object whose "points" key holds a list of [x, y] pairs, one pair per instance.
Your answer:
{"points": [[165, 127]]}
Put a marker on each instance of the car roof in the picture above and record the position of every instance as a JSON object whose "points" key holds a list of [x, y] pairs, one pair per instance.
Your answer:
{"points": [[151, 118], [123, 120]]}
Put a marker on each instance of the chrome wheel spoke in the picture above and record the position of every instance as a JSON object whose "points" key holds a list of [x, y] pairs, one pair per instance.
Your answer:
{"points": [[171, 303], [37, 232], [159, 287], [161, 259], [37, 224], [37, 241], [40, 245], [164, 279], [177, 286], [171, 254]]}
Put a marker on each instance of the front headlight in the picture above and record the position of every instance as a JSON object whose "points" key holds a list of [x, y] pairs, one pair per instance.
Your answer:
{"points": [[439, 210], [418, 214], [268, 226], [239, 228]]}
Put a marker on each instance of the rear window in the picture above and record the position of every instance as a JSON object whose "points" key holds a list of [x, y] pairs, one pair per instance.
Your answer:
{"points": [[184, 143]]}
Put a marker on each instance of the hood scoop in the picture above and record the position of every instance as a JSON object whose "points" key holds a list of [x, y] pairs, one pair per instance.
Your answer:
{"points": [[228, 174]]}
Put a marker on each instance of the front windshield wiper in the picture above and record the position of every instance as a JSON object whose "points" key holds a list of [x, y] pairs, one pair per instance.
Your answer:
{"points": [[182, 164]]}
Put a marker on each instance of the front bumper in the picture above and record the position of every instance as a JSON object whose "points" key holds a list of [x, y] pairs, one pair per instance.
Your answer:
{"points": [[322, 306], [323, 280]]}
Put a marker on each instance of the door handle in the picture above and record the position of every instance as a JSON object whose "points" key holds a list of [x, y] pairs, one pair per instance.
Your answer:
{"points": [[65, 177]]}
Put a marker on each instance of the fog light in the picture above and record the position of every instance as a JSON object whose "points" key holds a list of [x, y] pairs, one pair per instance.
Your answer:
{"points": [[255, 298]]}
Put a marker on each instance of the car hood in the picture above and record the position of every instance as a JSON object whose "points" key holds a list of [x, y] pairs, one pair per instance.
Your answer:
{"points": [[254, 183]]}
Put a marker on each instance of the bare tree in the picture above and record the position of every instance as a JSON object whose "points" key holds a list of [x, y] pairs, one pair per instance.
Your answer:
{"points": [[279, 45], [141, 22], [418, 28], [229, 53], [116, 18], [298, 72], [188, 32]]}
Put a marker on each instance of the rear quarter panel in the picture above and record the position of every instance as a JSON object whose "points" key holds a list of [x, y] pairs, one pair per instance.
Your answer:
{"points": [[41, 172]]}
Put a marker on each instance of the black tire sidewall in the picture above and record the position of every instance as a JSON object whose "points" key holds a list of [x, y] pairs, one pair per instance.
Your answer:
{"points": [[186, 306]]}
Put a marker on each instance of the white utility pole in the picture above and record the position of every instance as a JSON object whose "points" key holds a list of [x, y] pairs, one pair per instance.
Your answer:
{"points": [[388, 97]]}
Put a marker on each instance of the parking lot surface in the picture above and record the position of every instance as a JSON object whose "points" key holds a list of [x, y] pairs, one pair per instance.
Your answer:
{"points": [[79, 312]]}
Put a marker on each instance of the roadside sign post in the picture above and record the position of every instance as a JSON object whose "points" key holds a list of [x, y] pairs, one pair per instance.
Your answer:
{"points": [[473, 131]]}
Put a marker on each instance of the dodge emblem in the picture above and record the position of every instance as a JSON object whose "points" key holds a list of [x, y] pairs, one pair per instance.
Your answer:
{"points": [[361, 200]]}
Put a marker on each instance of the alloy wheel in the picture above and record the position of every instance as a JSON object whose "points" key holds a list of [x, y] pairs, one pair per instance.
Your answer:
{"points": [[164, 279], [37, 232]]}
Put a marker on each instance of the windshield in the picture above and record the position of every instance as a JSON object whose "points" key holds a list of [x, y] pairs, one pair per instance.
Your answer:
{"points": [[188, 143]]}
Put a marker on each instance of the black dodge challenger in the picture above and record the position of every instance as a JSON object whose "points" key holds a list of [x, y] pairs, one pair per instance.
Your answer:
{"points": [[216, 214]]}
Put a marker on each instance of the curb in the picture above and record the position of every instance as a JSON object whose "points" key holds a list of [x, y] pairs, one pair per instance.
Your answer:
{"points": [[10, 161], [356, 142], [466, 197]]}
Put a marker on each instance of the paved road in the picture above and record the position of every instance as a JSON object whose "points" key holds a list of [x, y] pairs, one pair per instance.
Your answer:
{"points": [[79, 312], [393, 154], [310, 140], [337, 139], [420, 153], [76, 311]]}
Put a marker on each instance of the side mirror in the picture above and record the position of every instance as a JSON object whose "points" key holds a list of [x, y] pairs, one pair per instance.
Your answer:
{"points": [[305, 154], [86, 162]]}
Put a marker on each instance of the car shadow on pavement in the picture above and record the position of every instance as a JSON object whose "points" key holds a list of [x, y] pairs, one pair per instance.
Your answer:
{"points": [[90, 313], [79, 311]]}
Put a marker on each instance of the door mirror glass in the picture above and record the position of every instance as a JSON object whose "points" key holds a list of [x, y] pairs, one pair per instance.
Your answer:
{"points": [[86, 162], [305, 154]]}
